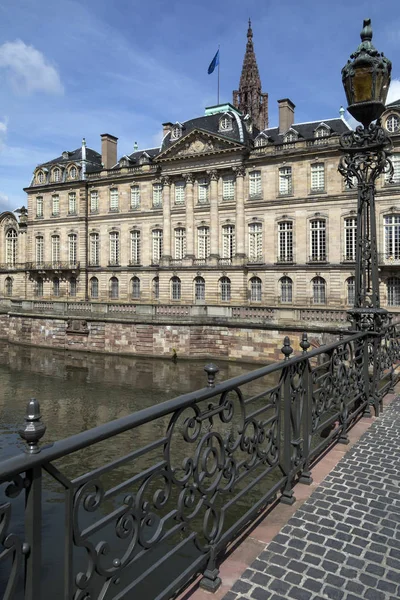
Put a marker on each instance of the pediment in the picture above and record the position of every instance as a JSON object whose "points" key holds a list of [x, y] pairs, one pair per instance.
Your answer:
{"points": [[197, 143]]}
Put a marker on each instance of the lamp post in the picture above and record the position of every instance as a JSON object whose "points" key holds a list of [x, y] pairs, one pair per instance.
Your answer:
{"points": [[366, 80]]}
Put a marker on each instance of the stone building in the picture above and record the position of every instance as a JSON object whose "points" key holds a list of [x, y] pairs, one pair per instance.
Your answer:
{"points": [[227, 211]]}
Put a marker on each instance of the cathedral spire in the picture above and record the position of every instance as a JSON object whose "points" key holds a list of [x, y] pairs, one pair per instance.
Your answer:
{"points": [[249, 98]]}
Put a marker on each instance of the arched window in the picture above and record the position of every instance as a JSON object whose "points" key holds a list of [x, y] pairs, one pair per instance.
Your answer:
{"points": [[156, 288], [225, 289], [73, 173], [55, 249], [135, 288], [41, 177], [225, 123], [56, 286], [72, 287], [255, 289], [351, 289], [94, 287], [393, 291], [39, 287], [286, 289], [199, 289], [11, 247], [175, 288], [176, 132], [114, 288], [393, 123], [56, 175], [8, 286], [319, 290]]}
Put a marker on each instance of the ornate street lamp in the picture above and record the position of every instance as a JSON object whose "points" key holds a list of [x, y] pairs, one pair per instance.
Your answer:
{"points": [[366, 80]]}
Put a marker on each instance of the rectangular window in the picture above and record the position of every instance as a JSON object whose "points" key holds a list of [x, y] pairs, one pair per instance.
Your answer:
{"points": [[395, 158], [114, 199], [285, 181], [285, 242], [135, 247], [203, 242], [135, 197], [228, 188], [114, 248], [350, 236], [228, 241], [94, 201], [72, 248], [392, 237], [39, 206], [318, 240], [318, 177], [255, 184], [56, 205], [255, 242], [157, 195], [72, 203], [94, 249], [203, 191], [55, 249], [180, 192], [39, 249], [157, 249], [180, 243]]}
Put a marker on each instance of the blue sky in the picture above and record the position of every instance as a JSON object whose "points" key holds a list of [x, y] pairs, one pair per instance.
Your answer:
{"points": [[70, 69]]}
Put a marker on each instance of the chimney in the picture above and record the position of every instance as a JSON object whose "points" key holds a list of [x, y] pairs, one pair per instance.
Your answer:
{"points": [[108, 150], [286, 114], [167, 127]]}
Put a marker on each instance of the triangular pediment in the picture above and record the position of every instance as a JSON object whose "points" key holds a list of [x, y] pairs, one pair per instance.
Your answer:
{"points": [[199, 142]]}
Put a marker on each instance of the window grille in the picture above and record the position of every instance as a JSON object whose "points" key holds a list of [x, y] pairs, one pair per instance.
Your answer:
{"points": [[286, 289], [228, 188], [135, 197], [114, 248], [255, 184], [319, 290], [114, 199], [157, 195], [94, 201], [350, 238], [56, 286], [393, 123], [135, 247], [285, 241], [199, 289], [72, 203], [11, 247], [203, 191], [39, 249], [39, 206], [94, 287], [94, 249], [255, 289], [114, 288], [395, 158], [285, 181], [8, 286], [56, 205], [180, 192], [318, 240], [255, 242], [393, 291], [55, 249], [392, 236], [156, 288], [175, 288], [157, 245], [351, 290], [225, 123], [72, 248], [228, 241], [180, 243], [135, 288], [225, 289], [318, 177], [176, 132], [203, 242]]}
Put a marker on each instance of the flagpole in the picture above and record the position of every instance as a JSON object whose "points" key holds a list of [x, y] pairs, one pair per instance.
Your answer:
{"points": [[218, 75]]}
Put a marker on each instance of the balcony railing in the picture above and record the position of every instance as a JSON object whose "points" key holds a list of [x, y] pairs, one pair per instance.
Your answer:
{"points": [[52, 266], [287, 259], [135, 262], [12, 266], [256, 195], [318, 258], [114, 263], [173, 500], [225, 261], [388, 259], [349, 258]]}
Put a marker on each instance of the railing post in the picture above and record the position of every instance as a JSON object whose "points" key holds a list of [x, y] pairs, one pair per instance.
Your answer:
{"points": [[365, 370], [287, 494], [305, 476]]}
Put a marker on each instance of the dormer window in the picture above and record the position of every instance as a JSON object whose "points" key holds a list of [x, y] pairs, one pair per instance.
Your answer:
{"points": [[321, 132], [124, 162], [57, 175], [260, 141], [73, 173], [393, 123], [176, 132], [291, 136], [144, 159], [225, 123], [41, 177]]}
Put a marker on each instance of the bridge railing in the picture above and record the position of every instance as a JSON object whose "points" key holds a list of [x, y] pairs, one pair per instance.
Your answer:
{"points": [[195, 470]]}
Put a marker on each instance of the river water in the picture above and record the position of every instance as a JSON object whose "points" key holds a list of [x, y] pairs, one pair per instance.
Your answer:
{"points": [[76, 392]]}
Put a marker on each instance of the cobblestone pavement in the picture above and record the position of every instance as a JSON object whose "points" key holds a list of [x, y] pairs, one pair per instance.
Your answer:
{"points": [[344, 541]]}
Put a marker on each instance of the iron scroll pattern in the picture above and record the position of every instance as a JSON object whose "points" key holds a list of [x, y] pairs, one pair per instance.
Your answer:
{"points": [[13, 546]]}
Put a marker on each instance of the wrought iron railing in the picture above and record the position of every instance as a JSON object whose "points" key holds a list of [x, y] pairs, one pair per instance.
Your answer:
{"points": [[389, 259], [52, 266], [163, 511]]}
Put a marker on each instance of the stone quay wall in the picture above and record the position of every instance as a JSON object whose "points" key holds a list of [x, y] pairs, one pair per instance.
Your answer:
{"points": [[256, 343]]}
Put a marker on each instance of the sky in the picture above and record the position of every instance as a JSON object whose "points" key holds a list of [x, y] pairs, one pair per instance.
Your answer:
{"points": [[72, 69]]}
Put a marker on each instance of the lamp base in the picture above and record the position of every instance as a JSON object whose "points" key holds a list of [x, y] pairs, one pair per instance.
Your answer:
{"points": [[366, 112]]}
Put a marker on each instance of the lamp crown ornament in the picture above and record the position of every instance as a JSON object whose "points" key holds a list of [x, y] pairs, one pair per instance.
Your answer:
{"points": [[366, 79]]}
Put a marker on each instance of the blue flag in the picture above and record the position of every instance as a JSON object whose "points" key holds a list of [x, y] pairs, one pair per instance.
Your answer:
{"points": [[213, 63]]}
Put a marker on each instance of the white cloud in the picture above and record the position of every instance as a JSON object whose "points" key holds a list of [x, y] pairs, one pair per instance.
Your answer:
{"points": [[28, 69], [394, 91]]}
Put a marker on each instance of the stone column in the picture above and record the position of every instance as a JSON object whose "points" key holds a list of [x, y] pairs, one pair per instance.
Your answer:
{"points": [[188, 177], [214, 221], [240, 216], [166, 181]]}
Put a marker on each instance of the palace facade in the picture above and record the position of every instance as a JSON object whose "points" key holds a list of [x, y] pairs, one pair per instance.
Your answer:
{"points": [[227, 211]]}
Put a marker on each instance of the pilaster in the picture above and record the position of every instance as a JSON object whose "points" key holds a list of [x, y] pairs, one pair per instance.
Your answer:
{"points": [[240, 216], [166, 181], [189, 215], [214, 220]]}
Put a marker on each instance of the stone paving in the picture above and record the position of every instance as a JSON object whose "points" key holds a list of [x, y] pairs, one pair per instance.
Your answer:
{"points": [[343, 543]]}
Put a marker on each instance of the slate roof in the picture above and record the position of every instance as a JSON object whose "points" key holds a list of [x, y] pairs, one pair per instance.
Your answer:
{"points": [[93, 159], [395, 103], [306, 131]]}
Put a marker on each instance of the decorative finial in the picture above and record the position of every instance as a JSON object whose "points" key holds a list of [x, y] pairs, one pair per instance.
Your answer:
{"points": [[249, 31], [366, 33], [341, 112], [304, 344], [33, 430], [135, 147], [83, 142], [286, 348], [211, 371]]}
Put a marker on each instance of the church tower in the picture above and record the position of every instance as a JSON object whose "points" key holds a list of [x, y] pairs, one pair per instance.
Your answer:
{"points": [[249, 98]]}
